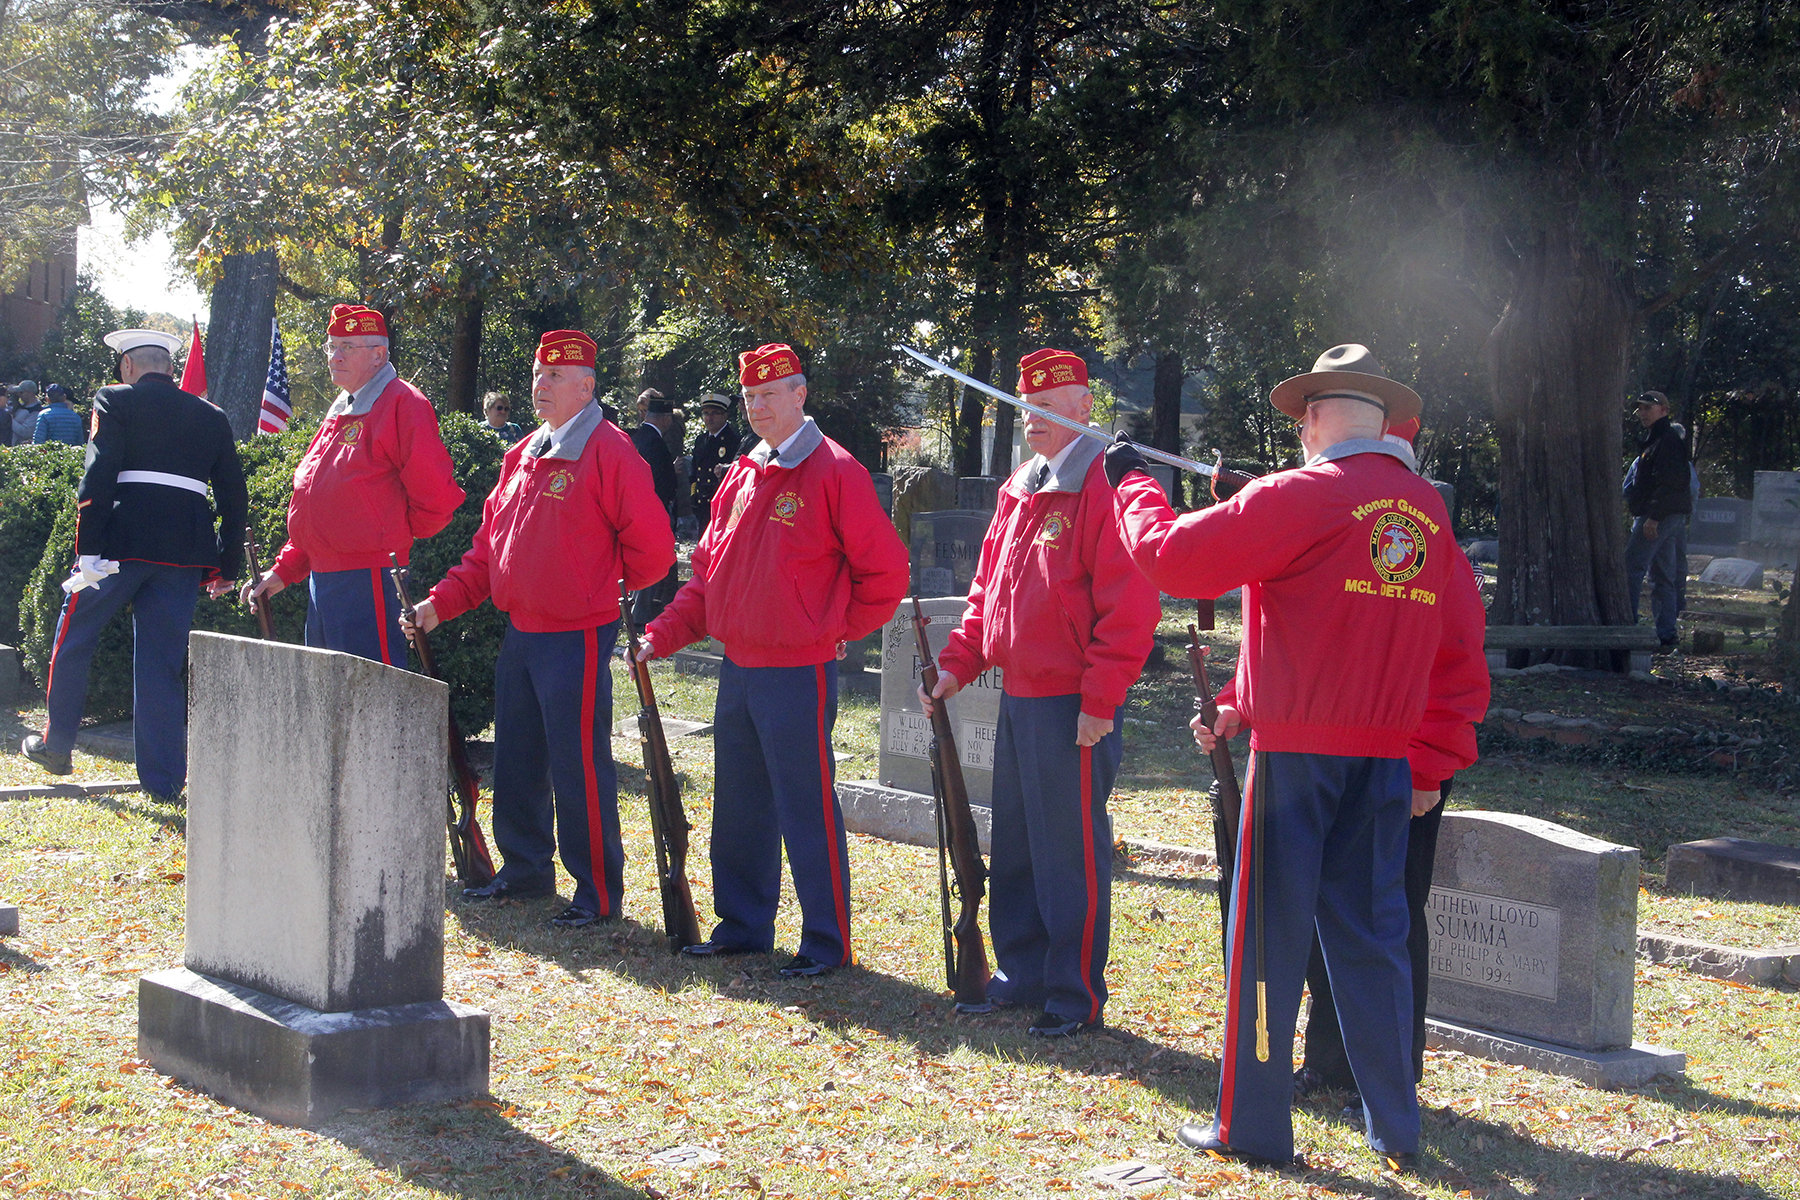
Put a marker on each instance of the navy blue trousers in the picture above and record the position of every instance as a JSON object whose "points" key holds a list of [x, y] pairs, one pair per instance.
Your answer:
{"points": [[162, 610], [774, 784], [341, 614], [1334, 854], [1050, 878], [554, 782]]}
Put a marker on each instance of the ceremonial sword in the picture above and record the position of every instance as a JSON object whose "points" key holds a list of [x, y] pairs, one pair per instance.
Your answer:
{"points": [[1174, 460]]}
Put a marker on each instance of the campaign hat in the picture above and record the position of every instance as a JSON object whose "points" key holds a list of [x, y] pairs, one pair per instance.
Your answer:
{"points": [[1347, 368]]}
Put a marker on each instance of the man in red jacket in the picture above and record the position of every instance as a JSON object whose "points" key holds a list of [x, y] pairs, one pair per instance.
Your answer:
{"points": [[375, 477], [803, 561], [1361, 675], [1056, 604], [572, 514]]}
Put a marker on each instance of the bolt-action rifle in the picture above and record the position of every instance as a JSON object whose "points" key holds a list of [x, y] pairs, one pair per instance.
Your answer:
{"points": [[265, 620], [468, 848], [965, 952], [668, 820]]}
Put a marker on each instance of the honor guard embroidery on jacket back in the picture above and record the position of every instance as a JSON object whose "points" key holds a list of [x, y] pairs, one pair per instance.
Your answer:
{"points": [[1397, 548], [787, 507]]}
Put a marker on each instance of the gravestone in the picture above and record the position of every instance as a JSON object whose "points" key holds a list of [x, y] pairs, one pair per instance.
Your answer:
{"points": [[1447, 493], [1533, 933], [9, 920], [1735, 869], [1733, 573], [905, 762], [1774, 518], [917, 490], [12, 684], [946, 549], [976, 493], [1719, 523], [1486, 551], [884, 490], [314, 964], [1164, 475]]}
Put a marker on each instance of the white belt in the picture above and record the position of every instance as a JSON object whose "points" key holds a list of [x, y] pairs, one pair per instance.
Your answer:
{"points": [[164, 478]]}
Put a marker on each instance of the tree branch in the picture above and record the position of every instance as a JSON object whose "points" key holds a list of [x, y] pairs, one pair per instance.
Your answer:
{"points": [[1705, 271]]}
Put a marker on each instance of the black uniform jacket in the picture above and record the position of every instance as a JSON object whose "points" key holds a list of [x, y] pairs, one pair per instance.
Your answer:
{"points": [[713, 450], [153, 426], [1660, 488], [649, 442]]}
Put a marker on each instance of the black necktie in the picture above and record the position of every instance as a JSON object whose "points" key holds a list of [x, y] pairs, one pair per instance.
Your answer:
{"points": [[1043, 477]]}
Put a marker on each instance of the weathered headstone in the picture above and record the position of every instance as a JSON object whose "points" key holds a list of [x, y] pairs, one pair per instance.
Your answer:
{"points": [[9, 919], [1735, 869], [977, 493], [1487, 551], [917, 490], [946, 549], [1533, 932], [314, 965], [1733, 573], [1774, 518], [1717, 525], [1447, 493], [884, 489], [906, 731]]}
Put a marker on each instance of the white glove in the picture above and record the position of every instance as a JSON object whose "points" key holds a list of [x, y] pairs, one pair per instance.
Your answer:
{"points": [[90, 569]]}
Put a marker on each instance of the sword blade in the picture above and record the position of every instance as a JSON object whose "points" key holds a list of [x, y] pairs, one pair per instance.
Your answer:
{"points": [[1174, 460]]}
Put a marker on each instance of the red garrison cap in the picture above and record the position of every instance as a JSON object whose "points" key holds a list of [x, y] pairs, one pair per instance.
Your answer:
{"points": [[767, 363], [1042, 370], [356, 320], [566, 348]]}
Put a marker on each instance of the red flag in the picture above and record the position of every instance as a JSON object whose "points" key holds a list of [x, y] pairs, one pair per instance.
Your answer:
{"points": [[193, 373]]}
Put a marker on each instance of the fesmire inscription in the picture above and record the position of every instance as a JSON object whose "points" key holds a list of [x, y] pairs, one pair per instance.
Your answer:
{"points": [[907, 734], [1494, 941], [976, 744]]}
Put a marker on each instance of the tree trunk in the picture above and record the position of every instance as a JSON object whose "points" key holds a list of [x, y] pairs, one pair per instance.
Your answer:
{"points": [[1557, 368], [1165, 410], [237, 337], [465, 354], [968, 421]]}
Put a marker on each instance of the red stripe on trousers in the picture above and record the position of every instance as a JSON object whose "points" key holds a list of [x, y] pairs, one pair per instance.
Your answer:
{"points": [[831, 833], [1233, 969], [380, 614], [50, 672], [1093, 886], [590, 673]]}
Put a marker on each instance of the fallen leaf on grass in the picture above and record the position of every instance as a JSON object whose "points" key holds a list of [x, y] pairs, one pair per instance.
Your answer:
{"points": [[1674, 1137]]}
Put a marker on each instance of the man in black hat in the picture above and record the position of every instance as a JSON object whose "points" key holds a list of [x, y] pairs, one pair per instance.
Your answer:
{"points": [[715, 449], [1660, 500], [145, 536], [655, 415]]}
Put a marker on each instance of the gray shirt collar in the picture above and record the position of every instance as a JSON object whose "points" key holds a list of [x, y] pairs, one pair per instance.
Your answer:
{"points": [[799, 446], [359, 403], [1352, 446], [569, 441]]}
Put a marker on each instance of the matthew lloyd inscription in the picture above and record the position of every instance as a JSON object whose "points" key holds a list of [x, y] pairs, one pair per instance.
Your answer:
{"points": [[1495, 942]]}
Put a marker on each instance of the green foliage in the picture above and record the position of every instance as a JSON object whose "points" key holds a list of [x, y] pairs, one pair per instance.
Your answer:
{"points": [[74, 354], [36, 483], [43, 499]]}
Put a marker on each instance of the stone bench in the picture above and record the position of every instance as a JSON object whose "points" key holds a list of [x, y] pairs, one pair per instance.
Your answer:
{"points": [[1639, 642]]}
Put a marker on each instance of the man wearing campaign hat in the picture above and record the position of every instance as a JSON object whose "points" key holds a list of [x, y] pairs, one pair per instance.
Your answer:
{"points": [[1057, 605], [801, 560], [375, 477], [572, 514], [146, 536], [1360, 677], [715, 449]]}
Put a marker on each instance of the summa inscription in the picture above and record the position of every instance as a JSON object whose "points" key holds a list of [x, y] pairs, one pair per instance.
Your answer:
{"points": [[1494, 941]]}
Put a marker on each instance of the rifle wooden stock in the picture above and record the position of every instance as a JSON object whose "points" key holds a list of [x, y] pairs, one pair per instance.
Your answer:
{"points": [[265, 620], [965, 951], [668, 820], [1227, 802], [468, 848]]}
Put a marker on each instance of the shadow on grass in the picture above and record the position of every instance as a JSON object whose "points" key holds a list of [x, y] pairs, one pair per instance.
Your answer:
{"points": [[12, 959], [472, 1149]]}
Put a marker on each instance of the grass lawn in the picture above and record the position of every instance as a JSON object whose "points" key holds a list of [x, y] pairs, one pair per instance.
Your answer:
{"points": [[864, 1084]]}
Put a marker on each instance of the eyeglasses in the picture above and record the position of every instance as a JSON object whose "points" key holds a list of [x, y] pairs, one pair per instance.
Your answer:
{"points": [[500, 408]]}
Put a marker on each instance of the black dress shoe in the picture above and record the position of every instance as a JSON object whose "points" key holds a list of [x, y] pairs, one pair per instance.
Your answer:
{"points": [[1202, 1138], [1049, 1025], [800, 966], [1400, 1164], [34, 748], [711, 949], [574, 917], [1306, 1082], [503, 891]]}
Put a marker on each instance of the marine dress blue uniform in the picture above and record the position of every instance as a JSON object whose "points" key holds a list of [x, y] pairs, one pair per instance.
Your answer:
{"points": [[143, 503]]}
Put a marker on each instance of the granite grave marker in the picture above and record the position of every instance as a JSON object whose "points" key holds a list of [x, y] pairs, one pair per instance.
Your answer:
{"points": [[1719, 523], [906, 731], [946, 548]]}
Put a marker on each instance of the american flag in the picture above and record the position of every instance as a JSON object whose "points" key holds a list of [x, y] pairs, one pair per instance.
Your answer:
{"points": [[275, 406]]}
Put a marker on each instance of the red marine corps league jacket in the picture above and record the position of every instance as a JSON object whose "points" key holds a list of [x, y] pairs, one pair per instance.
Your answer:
{"points": [[799, 557], [370, 483], [1363, 627], [1056, 601], [573, 513]]}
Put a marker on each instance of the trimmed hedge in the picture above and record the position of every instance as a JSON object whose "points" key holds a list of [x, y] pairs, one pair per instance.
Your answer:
{"points": [[465, 648], [36, 483]]}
